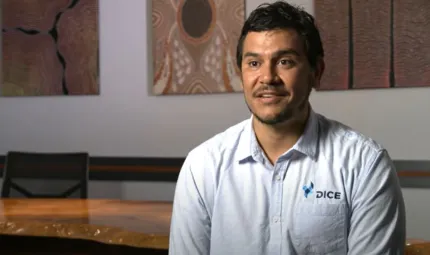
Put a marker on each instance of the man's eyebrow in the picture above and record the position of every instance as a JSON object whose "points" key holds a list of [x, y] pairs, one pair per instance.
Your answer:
{"points": [[276, 54], [279, 53], [251, 54]]}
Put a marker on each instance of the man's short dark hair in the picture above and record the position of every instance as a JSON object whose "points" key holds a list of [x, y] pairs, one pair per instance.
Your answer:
{"points": [[282, 15]]}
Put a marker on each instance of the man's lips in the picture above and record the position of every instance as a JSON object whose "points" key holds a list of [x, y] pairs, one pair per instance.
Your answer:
{"points": [[270, 97], [270, 94]]}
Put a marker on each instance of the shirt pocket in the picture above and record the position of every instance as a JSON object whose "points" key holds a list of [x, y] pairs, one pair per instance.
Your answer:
{"points": [[319, 228]]}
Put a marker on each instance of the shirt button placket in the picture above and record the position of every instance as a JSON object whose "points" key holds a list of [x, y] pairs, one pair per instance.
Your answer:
{"points": [[276, 225]]}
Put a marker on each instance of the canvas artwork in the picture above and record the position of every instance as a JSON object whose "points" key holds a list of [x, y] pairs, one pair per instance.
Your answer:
{"points": [[374, 44], [50, 47], [194, 46]]}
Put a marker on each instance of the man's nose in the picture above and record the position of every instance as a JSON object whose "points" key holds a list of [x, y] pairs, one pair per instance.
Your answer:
{"points": [[269, 74]]}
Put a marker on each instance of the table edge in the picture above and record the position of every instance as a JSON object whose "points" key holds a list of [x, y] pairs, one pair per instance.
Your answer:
{"points": [[91, 232]]}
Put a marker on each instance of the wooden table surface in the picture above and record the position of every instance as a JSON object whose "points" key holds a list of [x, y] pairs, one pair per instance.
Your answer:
{"points": [[133, 223], [138, 224], [417, 247]]}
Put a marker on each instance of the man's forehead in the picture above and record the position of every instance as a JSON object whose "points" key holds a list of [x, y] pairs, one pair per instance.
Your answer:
{"points": [[287, 33], [272, 41]]}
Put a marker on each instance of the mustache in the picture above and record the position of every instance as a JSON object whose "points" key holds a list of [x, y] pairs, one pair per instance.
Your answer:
{"points": [[272, 89]]}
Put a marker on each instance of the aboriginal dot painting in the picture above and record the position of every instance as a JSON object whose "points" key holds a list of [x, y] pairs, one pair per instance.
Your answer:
{"points": [[50, 47], [374, 44], [194, 46]]}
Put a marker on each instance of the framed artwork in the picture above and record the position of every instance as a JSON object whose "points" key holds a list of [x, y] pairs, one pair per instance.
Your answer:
{"points": [[374, 44], [50, 48], [194, 46]]}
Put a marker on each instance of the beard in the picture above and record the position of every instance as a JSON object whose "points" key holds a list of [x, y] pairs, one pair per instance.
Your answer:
{"points": [[289, 112], [285, 115]]}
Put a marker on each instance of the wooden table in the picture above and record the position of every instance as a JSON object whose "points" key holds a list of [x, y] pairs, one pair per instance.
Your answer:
{"points": [[84, 226], [417, 247], [73, 226]]}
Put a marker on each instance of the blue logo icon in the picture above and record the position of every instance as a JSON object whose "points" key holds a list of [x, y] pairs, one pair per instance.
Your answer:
{"points": [[308, 190]]}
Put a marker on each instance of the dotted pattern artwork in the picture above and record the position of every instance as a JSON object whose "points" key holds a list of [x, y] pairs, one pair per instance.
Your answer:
{"points": [[50, 47], [194, 46]]}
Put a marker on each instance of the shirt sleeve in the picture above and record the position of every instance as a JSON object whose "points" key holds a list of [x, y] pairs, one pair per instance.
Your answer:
{"points": [[378, 224], [190, 224]]}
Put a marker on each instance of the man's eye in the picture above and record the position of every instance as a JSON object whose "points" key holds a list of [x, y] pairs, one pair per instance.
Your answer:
{"points": [[286, 62]]}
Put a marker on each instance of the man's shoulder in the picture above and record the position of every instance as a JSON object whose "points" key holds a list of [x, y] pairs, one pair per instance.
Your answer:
{"points": [[226, 140], [342, 136], [350, 149]]}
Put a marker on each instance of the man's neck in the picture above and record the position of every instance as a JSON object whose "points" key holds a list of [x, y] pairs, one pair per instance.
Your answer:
{"points": [[277, 139]]}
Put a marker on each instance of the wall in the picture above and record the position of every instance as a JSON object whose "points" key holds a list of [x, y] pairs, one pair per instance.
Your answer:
{"points": [[126, 121]]}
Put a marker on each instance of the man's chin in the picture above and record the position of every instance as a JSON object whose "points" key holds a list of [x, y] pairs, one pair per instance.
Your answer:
{"points": [[273, 116], [272, 119]]}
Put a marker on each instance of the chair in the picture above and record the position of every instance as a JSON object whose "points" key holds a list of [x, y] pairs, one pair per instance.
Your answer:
{"points": [[67, 173]]}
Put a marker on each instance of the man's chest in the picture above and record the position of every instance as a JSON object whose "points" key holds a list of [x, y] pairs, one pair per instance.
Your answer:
{"points": [[289, 183], [302, 205]]}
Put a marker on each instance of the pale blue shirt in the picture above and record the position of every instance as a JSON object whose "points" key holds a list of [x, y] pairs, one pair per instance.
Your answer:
{"points": [[335, 192]]}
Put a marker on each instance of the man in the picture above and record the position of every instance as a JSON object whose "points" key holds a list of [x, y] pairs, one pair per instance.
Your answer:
{"points": [[287, 180]]}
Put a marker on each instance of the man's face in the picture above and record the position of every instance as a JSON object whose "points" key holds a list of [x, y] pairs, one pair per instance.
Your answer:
{"points": [[276, 76]]}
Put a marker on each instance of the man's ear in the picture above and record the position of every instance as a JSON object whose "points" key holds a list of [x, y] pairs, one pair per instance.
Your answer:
{"points": [[318, 72]]}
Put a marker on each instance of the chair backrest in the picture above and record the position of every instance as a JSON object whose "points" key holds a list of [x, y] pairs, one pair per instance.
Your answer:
{"points": [[69, 171]]}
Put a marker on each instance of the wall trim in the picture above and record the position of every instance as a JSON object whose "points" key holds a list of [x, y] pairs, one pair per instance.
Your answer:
{"points": [[130, 168], [412, 173]]}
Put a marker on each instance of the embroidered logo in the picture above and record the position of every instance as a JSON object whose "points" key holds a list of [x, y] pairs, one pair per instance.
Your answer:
{"points": [[308, 189], [328, 194]]}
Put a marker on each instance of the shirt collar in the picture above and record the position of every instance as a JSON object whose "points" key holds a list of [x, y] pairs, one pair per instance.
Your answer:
{"points": [[307, 143]]}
